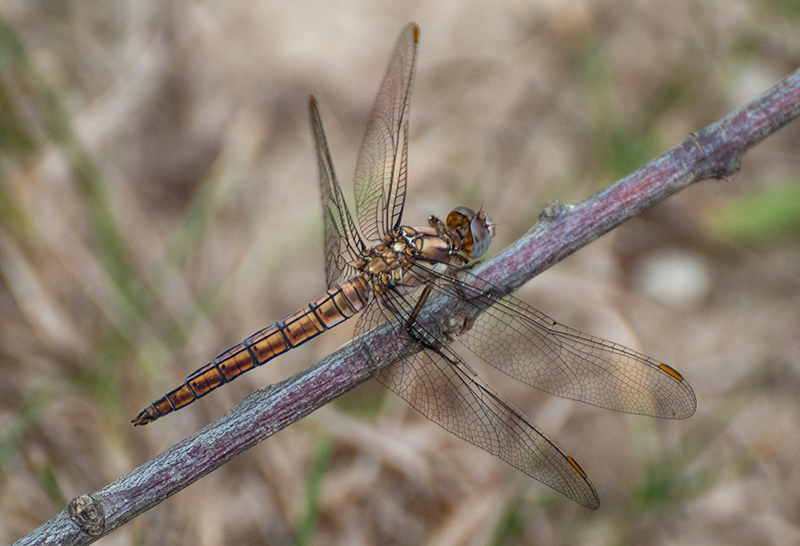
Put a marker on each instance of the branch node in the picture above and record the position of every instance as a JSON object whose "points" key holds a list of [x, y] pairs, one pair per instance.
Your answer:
{"points": [[553, 210], [699, 144], [88, 515]]}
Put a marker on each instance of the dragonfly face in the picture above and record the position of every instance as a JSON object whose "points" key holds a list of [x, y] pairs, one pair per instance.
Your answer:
{"points": [[414, 283], [476, 229]]}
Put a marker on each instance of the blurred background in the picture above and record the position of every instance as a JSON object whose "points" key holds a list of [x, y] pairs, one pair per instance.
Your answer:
{"points": [[159, 203]]}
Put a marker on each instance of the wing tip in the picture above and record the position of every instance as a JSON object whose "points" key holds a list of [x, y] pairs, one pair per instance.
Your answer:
{"points": [[415, 29]]}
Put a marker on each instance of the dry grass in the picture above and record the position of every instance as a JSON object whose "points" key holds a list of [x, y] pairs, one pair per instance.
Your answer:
{"points": [[158, 203]]}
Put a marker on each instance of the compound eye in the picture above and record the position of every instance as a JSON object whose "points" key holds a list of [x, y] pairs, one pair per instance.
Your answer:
{"points": [[460, 218], [476, 228], [482, 231]]}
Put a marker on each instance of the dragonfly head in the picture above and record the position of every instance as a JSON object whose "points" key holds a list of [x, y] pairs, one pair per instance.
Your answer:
{"points": [[475, 228]]}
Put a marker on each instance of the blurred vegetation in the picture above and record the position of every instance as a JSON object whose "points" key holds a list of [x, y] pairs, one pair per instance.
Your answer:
{"points": [[304, 532], [158, 203], [761, 217]]}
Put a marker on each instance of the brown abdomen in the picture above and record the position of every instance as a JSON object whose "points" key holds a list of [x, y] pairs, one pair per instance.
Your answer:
{"points": [[337, 305]]}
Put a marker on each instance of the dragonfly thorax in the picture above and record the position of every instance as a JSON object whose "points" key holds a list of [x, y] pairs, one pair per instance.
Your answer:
{"points": [[464, 235], [386, 264]]}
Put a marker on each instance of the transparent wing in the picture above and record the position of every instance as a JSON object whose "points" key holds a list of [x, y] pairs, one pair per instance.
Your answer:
{"points": [[342, 241], [535, 349], [439, 312], [443, 388], [380, 183]]}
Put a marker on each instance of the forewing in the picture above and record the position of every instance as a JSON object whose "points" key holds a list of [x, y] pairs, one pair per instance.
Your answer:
{"points": [[380, 183], [342, 241], [443, 388], [533, 348]]}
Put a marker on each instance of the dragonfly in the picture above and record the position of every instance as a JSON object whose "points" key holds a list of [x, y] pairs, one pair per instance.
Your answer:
{"points": [[415, 284]]}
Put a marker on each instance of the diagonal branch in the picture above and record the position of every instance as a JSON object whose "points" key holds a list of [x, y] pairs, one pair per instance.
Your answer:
{"points": [[713, 152]]}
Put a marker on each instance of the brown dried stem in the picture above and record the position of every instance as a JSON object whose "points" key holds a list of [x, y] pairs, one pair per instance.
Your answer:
{"points": [[714, 152]]}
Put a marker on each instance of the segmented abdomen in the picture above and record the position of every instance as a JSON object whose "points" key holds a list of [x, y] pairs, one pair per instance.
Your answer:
{"points": [[337, 305]]}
